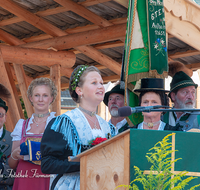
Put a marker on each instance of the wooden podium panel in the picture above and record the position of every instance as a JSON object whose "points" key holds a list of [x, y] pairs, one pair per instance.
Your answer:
{"points": [[107, 165], [111, 163]]}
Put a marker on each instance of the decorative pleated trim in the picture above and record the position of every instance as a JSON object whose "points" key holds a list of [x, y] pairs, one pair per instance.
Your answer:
{"points": [[112, 129], [65, 126]]}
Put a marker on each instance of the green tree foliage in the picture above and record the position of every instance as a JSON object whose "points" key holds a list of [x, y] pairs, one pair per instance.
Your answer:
{"points": [[24, 109], [160, 177]]}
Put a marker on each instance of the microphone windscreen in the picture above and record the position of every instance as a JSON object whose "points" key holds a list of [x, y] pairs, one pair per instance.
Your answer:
{"points": [[124, 111]]}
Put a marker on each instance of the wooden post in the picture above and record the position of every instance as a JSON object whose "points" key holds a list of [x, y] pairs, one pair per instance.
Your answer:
{"points": [[12, 83], [23, 88], [13, 112], [55, 76]]}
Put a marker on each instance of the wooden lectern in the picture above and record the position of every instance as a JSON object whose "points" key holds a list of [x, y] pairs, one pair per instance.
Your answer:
{"points": [[106, 165]]}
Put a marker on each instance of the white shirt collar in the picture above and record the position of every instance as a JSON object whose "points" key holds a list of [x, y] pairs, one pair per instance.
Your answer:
{"points": [[119, 124], [1, 131]]}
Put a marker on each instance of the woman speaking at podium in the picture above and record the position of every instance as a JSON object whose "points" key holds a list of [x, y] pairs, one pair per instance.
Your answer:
{"points": [[151, 92], [70, 133]]}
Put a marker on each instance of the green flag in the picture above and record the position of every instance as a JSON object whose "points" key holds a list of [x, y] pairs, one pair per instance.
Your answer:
{"points": [[145, 52]]}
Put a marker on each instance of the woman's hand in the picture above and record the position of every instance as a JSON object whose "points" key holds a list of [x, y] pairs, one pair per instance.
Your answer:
{"points": [[16, 154]]}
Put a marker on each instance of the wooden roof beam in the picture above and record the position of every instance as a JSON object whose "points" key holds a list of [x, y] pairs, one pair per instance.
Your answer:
{"points": [[9, 39], [184, 54], [33, 19], [84, 38], [29, 56], [100, 58], [78, 29], [20, 74], [84, 12], [13, 111], [51, 11], [107, 79], [104, 46], [193, 66], [54, 31]]}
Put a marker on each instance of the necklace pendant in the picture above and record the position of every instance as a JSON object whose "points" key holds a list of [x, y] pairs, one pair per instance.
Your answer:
{"points": [[150, 125]]}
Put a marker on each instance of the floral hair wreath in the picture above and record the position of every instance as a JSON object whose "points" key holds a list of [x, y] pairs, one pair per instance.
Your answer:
{"points": [[77, 75]]}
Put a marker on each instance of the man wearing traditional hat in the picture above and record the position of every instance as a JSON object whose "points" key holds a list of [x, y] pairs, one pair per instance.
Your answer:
{"points": [[6, 182], [183, 95], [114, 99]]}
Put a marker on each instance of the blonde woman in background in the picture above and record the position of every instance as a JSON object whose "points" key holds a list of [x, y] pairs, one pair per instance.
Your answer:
{"points": [[41, 93]]}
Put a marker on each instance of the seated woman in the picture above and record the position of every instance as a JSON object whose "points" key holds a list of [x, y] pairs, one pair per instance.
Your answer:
{"points": [[152, 93], [71, 133]]}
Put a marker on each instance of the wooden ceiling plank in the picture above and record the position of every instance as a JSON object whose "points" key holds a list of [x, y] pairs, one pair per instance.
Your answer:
{"points": [[9, 39], [50, 12], [88, 3], [29, 56], [84, 12], [123, 2], [184, 54], [31, 18], [84, 38], [100, 58]]}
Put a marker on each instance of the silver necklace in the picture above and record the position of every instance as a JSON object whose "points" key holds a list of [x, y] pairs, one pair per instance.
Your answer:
{"points": [[41, 115], [91, 113], [37, 124], [95, 126], [151, 125]]}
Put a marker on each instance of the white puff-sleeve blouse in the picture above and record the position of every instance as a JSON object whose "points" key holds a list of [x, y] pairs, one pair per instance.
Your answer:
{"points": [[17, 132]]}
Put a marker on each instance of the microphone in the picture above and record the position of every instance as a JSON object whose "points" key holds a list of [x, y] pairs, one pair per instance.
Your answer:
{"points": [[127, 110]]}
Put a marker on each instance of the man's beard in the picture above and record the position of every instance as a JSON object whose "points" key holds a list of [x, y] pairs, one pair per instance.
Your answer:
{"points": [[184, 105], [114, 112]]}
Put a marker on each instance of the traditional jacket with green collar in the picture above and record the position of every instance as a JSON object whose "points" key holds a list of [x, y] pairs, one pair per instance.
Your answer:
{"points": [[6, 181], [186, 121]]}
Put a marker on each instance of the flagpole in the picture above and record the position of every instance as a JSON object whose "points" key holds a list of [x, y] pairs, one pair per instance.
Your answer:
{"points": [[126, 70]]}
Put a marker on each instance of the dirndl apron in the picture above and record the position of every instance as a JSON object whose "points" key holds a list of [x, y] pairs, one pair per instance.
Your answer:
{"points": [[28, 175]]}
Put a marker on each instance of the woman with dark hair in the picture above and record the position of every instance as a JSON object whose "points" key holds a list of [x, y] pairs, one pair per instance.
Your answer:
{"points": [[71, 133], [152, 93]]}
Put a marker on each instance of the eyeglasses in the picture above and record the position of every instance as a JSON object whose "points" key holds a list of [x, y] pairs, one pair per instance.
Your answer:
{"points": [[2, 115]]}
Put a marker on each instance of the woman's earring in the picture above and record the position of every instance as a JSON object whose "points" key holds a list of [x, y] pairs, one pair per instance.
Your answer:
{"points": [[81, 96]]}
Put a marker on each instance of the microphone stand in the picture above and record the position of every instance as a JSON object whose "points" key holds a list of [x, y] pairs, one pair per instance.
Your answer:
{"points": [[173, 110]]}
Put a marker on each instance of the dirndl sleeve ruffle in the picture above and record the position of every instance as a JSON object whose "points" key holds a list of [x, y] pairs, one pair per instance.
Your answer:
{"points": [[55, 148], [65, 126], [112, 129]]}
